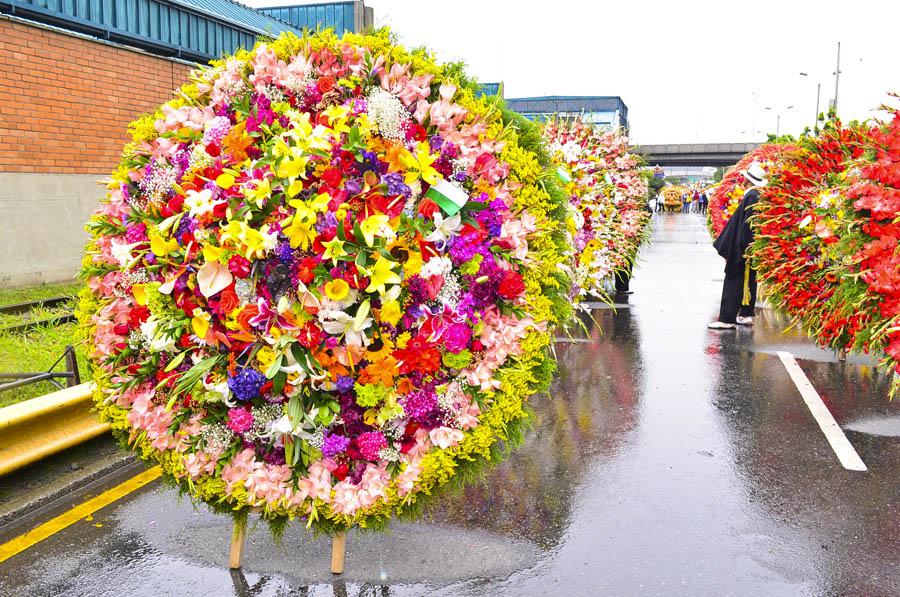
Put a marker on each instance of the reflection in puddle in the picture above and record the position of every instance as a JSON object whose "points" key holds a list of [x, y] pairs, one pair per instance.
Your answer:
{"points": [[592, 407]]}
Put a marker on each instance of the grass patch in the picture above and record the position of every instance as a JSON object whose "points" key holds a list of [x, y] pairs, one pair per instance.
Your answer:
{"points": [[33, 293], [36, 350]]}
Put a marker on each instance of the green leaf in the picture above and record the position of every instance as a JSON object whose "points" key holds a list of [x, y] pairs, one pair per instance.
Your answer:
{"points": [[275, 367], [278, 382], [176, 361]]}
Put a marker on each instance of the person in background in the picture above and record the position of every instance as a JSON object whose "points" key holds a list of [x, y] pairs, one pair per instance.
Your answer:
{"points": [[685, 202], [695, 201], [704, 201], [739, 288], [660, 201]]}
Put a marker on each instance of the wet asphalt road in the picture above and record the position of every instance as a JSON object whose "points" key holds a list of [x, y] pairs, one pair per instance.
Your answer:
{"points": [[670, 460]]}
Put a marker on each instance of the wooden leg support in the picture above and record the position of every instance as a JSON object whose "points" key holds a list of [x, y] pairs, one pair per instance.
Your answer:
{"points": [[238, 537], [842, 354], [338, 544]]}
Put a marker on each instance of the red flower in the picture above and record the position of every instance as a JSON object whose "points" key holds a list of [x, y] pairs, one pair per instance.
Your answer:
{"points": [[228, 301], [511, 286], [427, 208], [310, 336], [332, 177], [239, 266], [325, 84], [305, 269]]}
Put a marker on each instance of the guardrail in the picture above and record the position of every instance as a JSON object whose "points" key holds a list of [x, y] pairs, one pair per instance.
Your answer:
{"points": [[45, 425]]}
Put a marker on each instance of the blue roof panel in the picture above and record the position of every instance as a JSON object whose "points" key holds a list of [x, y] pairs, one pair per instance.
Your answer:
{"points": [[335, 15], [191, 29]]}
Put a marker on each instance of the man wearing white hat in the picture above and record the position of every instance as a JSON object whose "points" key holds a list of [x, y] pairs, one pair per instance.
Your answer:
{"points": [[739, 288]]}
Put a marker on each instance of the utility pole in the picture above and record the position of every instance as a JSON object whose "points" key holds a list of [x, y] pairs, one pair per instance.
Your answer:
{"points": [[837, 77], [816, 120], [753, 129], [778, 127]]}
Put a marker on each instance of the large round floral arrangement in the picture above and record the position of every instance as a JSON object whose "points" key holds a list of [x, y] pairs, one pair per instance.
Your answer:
{"points": [[827, 237], [726, 196], [607, 197], [325, 277]]}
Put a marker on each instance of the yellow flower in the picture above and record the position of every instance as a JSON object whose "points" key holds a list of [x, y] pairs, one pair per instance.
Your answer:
{"points": [[421, 162], [160, 246], [382, 274], [375, 225], [337, 117], [256, 242], [337, 290], [140, 294], [334, 248], [200, 322], [259, 194], [225, 180], [413, 263], [300, 232], [265, 356], [390, 312]]}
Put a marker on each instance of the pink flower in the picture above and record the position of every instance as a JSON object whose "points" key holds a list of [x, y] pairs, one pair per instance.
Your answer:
{"points": [[237, 471], [445, 437], [239, 420], [406, 480], [370, 443]]}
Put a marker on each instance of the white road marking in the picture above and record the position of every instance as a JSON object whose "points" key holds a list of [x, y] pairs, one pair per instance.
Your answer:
{"points": [[833, 433]]}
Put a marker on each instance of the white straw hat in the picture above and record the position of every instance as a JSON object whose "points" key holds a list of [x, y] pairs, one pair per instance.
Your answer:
{"points": [[755, 174]]}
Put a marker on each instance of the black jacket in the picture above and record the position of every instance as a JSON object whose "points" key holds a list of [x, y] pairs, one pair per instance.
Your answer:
{"points": [[736, 237]]}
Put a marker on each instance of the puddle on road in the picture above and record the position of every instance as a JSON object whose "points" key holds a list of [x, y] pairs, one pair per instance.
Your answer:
{"points": [[882, 426]]}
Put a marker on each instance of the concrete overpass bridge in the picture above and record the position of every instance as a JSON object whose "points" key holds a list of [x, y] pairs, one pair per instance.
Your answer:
{"points": [[694, 154]]}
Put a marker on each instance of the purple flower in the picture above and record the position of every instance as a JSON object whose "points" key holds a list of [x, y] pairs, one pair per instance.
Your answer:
{"points": [[276, 456], [421, 406], [370, 444], [395, 184], [456, 337], [334, 444], [245, 384], [136, 233], [187, 224], [344, 383], [284, 252]]}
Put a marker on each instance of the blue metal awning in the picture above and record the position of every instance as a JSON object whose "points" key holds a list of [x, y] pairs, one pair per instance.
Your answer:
{"points": [[196, 30]]}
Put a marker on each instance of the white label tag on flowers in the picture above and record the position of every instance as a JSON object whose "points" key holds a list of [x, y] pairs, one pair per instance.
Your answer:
{"points": [[448, 196]]}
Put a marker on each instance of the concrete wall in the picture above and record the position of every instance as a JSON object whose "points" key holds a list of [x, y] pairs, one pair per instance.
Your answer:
{"points": [[43, 219]]}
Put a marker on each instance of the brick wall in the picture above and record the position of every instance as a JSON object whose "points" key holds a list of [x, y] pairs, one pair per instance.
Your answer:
{"points": [[65, 101]]}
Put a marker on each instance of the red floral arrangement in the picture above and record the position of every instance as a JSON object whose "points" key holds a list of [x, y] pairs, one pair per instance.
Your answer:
{"points": [[827, 237], [724, 197]]}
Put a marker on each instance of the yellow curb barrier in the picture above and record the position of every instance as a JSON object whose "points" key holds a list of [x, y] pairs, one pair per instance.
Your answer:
{"points": [[45, 425]]}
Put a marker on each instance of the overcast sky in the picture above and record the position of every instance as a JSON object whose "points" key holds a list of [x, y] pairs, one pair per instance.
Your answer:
{"points": [[686, 70]]}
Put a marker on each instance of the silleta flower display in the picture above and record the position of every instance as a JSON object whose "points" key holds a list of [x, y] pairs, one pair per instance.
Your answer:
{"points": [[827, 237], [607, 195], [725, 197], [324, 279]]}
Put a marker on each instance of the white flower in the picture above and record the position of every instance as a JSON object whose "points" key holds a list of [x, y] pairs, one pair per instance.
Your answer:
{"points": [[387, 112], [444, 229], [437, 266], [338, 323], [199, 203], [122, 253], [157, 340]]}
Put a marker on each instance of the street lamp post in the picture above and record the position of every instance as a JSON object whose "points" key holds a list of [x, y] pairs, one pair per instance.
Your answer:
{"points": [[778, 120], [837, 77], [818, 94]]}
